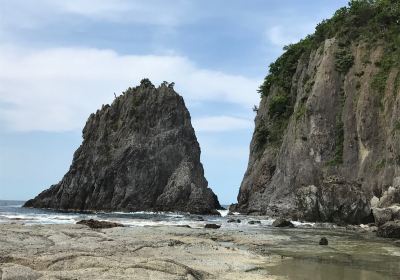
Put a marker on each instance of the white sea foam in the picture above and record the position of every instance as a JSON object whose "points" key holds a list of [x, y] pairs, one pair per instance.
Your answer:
{"points": [[39, 218], [14, 206], [168, 214], [132, 219], [223, 213], [129, 219], [303, 224]]}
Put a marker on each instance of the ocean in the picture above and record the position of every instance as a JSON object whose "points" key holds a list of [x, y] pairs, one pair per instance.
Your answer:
{"points": [[13, 212]]}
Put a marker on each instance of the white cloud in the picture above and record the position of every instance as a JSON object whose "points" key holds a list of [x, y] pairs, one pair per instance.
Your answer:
{"points": [[91, 8], [221, 124], [56, 89], [154, 12], [282, 35], [30, 14]]}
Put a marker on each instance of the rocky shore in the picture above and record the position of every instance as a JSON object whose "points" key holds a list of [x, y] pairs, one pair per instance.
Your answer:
{"points": [[171, 252]]}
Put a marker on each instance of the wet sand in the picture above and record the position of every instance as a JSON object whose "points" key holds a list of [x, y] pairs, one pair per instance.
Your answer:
{"points": [[169, 252]]}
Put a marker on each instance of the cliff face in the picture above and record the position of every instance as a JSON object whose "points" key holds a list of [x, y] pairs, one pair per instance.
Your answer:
{"points": [[326, 145], [140, 153]]}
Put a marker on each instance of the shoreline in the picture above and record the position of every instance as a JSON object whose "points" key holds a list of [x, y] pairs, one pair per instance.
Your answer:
{"points": [[71, 251]]}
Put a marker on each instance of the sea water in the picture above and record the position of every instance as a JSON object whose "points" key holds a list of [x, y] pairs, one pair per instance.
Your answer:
{"points": [[12, 211]]}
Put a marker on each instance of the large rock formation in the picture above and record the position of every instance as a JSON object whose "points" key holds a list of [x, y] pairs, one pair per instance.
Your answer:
{"points": [[140, 153], [326, 145]]}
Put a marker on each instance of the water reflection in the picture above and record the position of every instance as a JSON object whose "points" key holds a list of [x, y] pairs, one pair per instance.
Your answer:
{"points": [[296, 269]]}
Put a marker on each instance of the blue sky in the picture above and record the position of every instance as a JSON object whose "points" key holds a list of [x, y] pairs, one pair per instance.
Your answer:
{"points": [[61, 60]]}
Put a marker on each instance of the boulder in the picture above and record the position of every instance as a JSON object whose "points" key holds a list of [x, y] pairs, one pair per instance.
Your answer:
{"points": [[280, 222], [389, 230], [390, 196], [383, 215], [233, 221], [212, 226], [99, 224], [335, 200], [323, 241]]}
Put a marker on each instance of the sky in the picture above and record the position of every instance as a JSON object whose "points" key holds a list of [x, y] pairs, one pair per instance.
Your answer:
{"points": [[61, 60]]}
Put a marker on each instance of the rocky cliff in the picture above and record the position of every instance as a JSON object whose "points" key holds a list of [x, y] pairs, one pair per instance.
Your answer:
{"points": [[140, 153], [326, 145]]}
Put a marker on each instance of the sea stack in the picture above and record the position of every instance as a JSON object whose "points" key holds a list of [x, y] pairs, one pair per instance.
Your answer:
{"points": [[138, 154], [326, 145]]}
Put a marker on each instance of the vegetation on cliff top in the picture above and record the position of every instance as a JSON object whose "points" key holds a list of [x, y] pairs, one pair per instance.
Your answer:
{"points": [[362, 19], [370, 21]]}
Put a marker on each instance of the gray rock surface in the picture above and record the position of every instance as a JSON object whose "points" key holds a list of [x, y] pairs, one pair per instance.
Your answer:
{"points": [[140, 153], [389, 230], [99, 224], [280, 222], [212, 226], [323, 241], [336, 130], [382, 215], [50, 252], [167, 253], [387, 207], [336, 200]]}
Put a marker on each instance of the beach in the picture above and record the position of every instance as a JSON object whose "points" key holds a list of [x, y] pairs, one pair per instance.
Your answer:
{"points": [[70, 251]]}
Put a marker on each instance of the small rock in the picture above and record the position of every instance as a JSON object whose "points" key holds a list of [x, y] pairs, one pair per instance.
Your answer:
{"points": [[175, 242], [99, 224], [234, 221], [389, 230], [198, 218], [254, 222], [280, 222], [213, 226], [323, 241], [183, 226]]}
